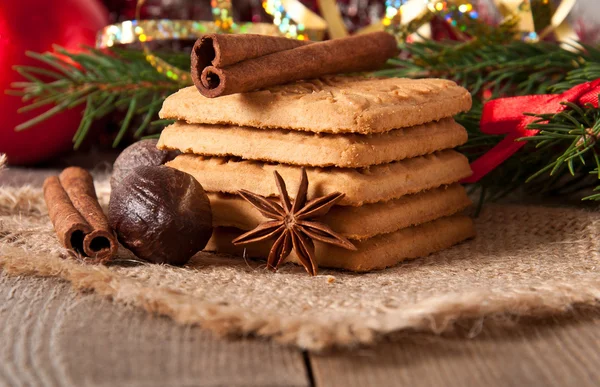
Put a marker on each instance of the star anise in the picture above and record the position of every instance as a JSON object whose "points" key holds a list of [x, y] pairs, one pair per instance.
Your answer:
{"points": [[292, 227]]}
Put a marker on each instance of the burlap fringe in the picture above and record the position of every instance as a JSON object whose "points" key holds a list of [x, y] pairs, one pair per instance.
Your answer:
{"points": [[435, 314]]}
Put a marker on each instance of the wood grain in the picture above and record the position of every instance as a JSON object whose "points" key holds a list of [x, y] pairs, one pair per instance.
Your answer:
{"points": [[552, 352], [51, 336]]}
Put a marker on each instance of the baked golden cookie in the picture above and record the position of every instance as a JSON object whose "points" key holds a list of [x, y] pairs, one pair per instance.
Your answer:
{"points": [[328, 105], [375, 253], [368, 185], [358, 223], [305, 148]]}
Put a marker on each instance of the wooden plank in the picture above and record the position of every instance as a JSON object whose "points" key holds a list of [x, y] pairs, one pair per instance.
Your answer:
{"points": [[51, 336], [541, 353]]}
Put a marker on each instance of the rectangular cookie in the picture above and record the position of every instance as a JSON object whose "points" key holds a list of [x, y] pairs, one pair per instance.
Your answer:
{"points": [[372, 254], [358, 223], [328, 105], [368, 185], [304, 148]]}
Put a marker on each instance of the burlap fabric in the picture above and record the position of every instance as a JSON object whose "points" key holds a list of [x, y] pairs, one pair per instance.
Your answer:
{"points": [[525, 261]]}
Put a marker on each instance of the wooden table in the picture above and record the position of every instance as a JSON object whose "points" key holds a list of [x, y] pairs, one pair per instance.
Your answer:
{"points": [[52, 336]]}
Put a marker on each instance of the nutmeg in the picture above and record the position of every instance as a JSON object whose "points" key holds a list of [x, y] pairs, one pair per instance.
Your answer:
{"points": [[161, 214], [139, 154]]}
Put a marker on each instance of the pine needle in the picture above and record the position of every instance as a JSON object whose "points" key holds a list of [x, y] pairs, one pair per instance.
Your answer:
{"points": [[494, 65], [104, 82]]}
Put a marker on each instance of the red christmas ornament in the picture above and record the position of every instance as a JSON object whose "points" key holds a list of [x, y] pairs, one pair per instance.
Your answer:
{"points": [[36, 25]]}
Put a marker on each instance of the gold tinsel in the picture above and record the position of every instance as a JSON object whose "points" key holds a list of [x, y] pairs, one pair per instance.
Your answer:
{"points": [[535, 20]]}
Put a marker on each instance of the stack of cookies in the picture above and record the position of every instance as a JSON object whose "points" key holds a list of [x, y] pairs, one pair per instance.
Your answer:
{"points": [[385, 143]]}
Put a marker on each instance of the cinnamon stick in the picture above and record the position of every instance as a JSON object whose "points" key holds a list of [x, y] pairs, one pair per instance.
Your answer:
{"points": [[282, 65], [77, 216], [222, 50]]}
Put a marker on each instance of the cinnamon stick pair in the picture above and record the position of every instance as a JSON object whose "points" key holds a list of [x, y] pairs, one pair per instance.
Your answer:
{"points": [[77, 217], [228, 64]]}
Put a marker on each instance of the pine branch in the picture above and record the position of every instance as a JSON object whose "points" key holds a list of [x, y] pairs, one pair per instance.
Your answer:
{"points": [[573, 135], [489, 67], [103, 81], [562, 157], [589, 70]]}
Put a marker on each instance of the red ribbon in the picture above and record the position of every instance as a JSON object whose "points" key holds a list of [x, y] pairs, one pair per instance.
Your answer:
{"points": [[505, 116]]}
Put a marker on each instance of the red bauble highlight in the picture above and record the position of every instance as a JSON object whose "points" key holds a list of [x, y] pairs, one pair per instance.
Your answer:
{"points": [[36, 25]]}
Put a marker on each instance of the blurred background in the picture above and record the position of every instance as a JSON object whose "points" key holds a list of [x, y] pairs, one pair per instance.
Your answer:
{"points": [[51, 120]]}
